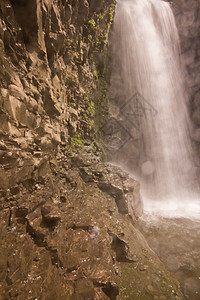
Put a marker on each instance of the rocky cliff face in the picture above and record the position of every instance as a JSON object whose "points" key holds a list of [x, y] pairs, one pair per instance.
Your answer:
{"points": [[67, 218], [187, 15], [71, 235], [49, 77]]}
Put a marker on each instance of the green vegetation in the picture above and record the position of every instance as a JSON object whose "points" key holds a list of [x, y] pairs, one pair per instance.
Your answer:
{"points": [[101, 23], [77, 140], [92, 22], [87, 77]]}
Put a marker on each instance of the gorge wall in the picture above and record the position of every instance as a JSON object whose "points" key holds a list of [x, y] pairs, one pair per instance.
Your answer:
{"points": [[49, 78], [67, 218], [187, 15]]}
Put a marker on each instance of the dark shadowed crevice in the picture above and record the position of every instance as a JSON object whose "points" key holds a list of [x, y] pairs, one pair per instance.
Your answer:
{"points": [[25, 13], [49, 221], [55, 258], [121, 249], [39, 240], [111, 291], [116, 193], [38, 237], [49, 104], [109, 288]]}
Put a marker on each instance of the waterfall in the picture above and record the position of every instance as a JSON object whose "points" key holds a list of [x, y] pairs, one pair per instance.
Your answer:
{"points": [[148, 91]]}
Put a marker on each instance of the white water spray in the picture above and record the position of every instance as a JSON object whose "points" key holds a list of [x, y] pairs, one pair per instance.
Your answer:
{"points": [[147, 61]]}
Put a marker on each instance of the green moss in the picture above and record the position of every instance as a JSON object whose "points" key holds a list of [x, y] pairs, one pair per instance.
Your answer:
{"points": [[101, 23], [87, 79], [98, 40], [148, 285], [92, 22], [77, 140], [95, 72]]}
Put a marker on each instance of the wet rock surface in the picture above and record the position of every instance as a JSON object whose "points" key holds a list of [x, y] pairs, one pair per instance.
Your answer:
{"points": [[176, 242], [64, 237], [113, 181], [187, 15]]}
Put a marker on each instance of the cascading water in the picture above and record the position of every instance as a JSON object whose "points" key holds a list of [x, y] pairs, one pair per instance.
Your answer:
{"points": [[147, 64]]}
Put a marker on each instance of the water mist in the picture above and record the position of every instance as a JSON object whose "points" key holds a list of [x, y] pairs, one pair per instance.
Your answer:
{"points": [[146, 63]]}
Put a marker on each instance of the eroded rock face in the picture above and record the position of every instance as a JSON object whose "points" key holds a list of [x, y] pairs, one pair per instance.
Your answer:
{"points": [[187, 15], [113, 181], [49, 69], [65, 237]]}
